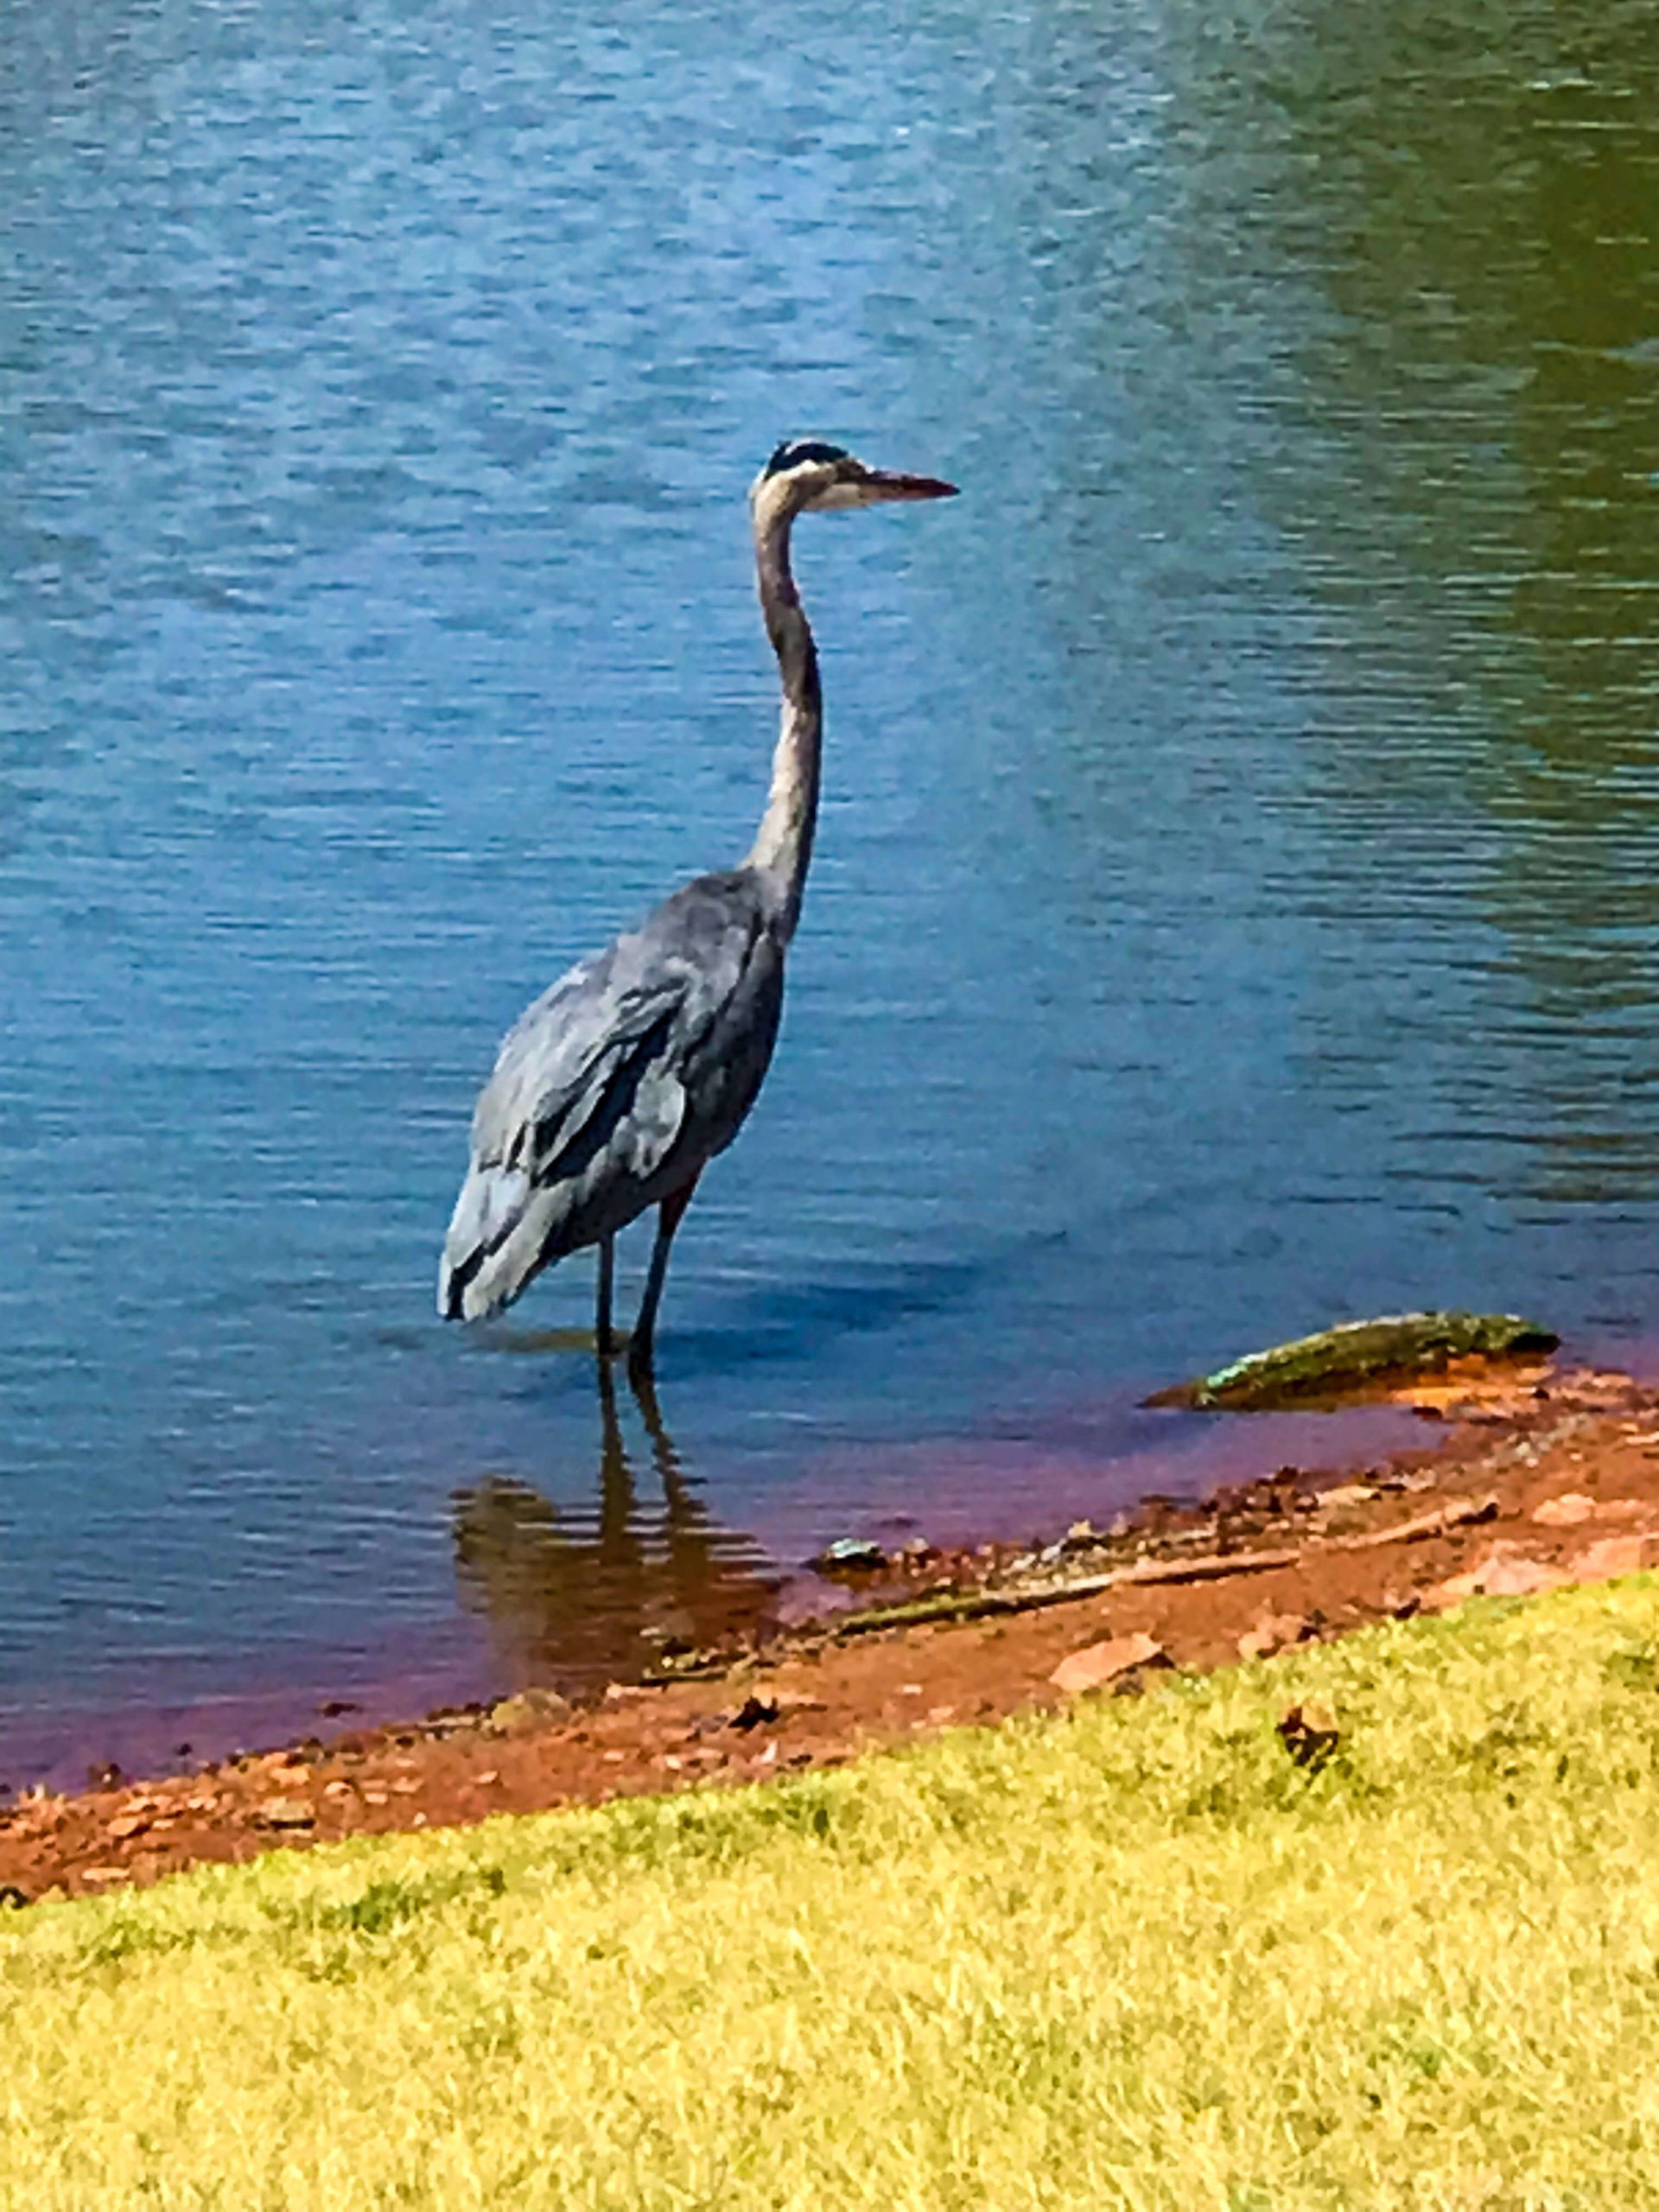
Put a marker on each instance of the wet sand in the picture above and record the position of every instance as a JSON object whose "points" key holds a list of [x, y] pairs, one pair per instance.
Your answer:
{"points": [[1526, 1477]]}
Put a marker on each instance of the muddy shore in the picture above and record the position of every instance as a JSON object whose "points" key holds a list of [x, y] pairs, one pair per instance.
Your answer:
{"points": [[1527, 1477]]}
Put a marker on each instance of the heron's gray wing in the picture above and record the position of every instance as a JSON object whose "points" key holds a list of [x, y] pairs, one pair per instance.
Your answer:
{"points": [[589, 1094], [583, 1063]]}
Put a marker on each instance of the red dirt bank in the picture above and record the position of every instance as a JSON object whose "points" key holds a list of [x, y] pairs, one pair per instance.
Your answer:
{"points": [[1541, 1478]]}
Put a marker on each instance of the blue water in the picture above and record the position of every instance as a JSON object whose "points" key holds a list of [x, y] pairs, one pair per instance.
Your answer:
{"points": [[1237, 895]]}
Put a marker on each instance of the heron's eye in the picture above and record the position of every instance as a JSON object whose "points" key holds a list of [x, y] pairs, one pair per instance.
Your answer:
{"points": [[795, 451]]}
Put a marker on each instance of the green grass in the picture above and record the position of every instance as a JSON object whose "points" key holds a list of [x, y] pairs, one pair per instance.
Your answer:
{"points": [[1135, 1957]]}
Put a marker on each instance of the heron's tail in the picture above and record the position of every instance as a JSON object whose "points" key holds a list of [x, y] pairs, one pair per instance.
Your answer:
{"points": [[498, 1238]]}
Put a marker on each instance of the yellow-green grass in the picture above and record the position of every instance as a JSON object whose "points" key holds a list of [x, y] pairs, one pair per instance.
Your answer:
{"points": [[1132, 1957]]}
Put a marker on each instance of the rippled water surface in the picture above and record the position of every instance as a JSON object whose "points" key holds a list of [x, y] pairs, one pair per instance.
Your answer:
{"points": [[1236, 896]]}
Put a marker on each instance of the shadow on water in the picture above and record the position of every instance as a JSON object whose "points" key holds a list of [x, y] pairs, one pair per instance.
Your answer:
{"points": [[574, 1599], [780, 1323], [771, 1323]]}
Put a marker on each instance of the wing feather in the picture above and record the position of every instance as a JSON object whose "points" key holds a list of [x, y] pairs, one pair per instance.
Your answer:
{"points": [[598, 1082]]}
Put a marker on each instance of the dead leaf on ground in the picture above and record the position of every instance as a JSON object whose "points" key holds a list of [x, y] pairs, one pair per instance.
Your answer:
{"points": [[1566, 1511], [1504, 1572], [287, 1812], [1615, 1555], [526, 1711], [1098, 1663], [1273, 1632], [1309, 1733], [755, 1712]]}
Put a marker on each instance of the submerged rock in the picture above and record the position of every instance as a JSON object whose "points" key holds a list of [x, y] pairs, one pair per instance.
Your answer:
{"points": [[1356, 1356], [849, 1556]]}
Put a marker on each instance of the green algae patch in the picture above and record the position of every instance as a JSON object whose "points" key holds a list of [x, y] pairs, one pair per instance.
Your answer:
{"points": [[1334, 1364], [1140, 1955]]}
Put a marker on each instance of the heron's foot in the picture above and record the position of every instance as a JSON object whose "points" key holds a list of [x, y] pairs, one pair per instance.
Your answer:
{"points": [[641, 1361]]}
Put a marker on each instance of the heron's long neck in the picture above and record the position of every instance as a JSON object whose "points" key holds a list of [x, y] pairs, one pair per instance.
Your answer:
{"points": [[783, 845]]}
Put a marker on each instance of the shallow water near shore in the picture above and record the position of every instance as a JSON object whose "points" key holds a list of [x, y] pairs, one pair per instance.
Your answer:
{"points": [[1236, 899]]}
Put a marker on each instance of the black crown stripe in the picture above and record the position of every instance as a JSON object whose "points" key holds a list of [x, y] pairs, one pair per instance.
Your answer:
{"points": [[794, 451]]}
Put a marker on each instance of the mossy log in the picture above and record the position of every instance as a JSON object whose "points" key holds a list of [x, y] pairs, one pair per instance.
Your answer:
{"points": [[1356, 1357]]}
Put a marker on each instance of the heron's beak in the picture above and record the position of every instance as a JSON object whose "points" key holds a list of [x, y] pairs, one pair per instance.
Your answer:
{"points": [[888, 484]]}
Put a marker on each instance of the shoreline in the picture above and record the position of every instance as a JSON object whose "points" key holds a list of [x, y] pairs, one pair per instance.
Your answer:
{"points": [[1529, 1478], [579, 1593]]}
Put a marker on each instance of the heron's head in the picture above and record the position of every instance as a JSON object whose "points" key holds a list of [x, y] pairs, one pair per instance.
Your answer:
{"points": [[805, 475]]}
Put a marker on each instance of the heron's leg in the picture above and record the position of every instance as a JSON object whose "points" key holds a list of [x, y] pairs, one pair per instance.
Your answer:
{"points": [[641, 1343], [604, 1337]]}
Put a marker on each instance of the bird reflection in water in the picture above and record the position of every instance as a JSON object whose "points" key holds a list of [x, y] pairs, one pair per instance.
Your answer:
{"points": [[579, 1599]]}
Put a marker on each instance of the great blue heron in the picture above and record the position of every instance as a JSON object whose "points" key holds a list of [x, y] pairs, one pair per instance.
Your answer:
{"points": [[616, 1088]]}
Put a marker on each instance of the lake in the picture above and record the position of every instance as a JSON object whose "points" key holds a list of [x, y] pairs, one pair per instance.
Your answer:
{"points": [[1236, 898]]}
